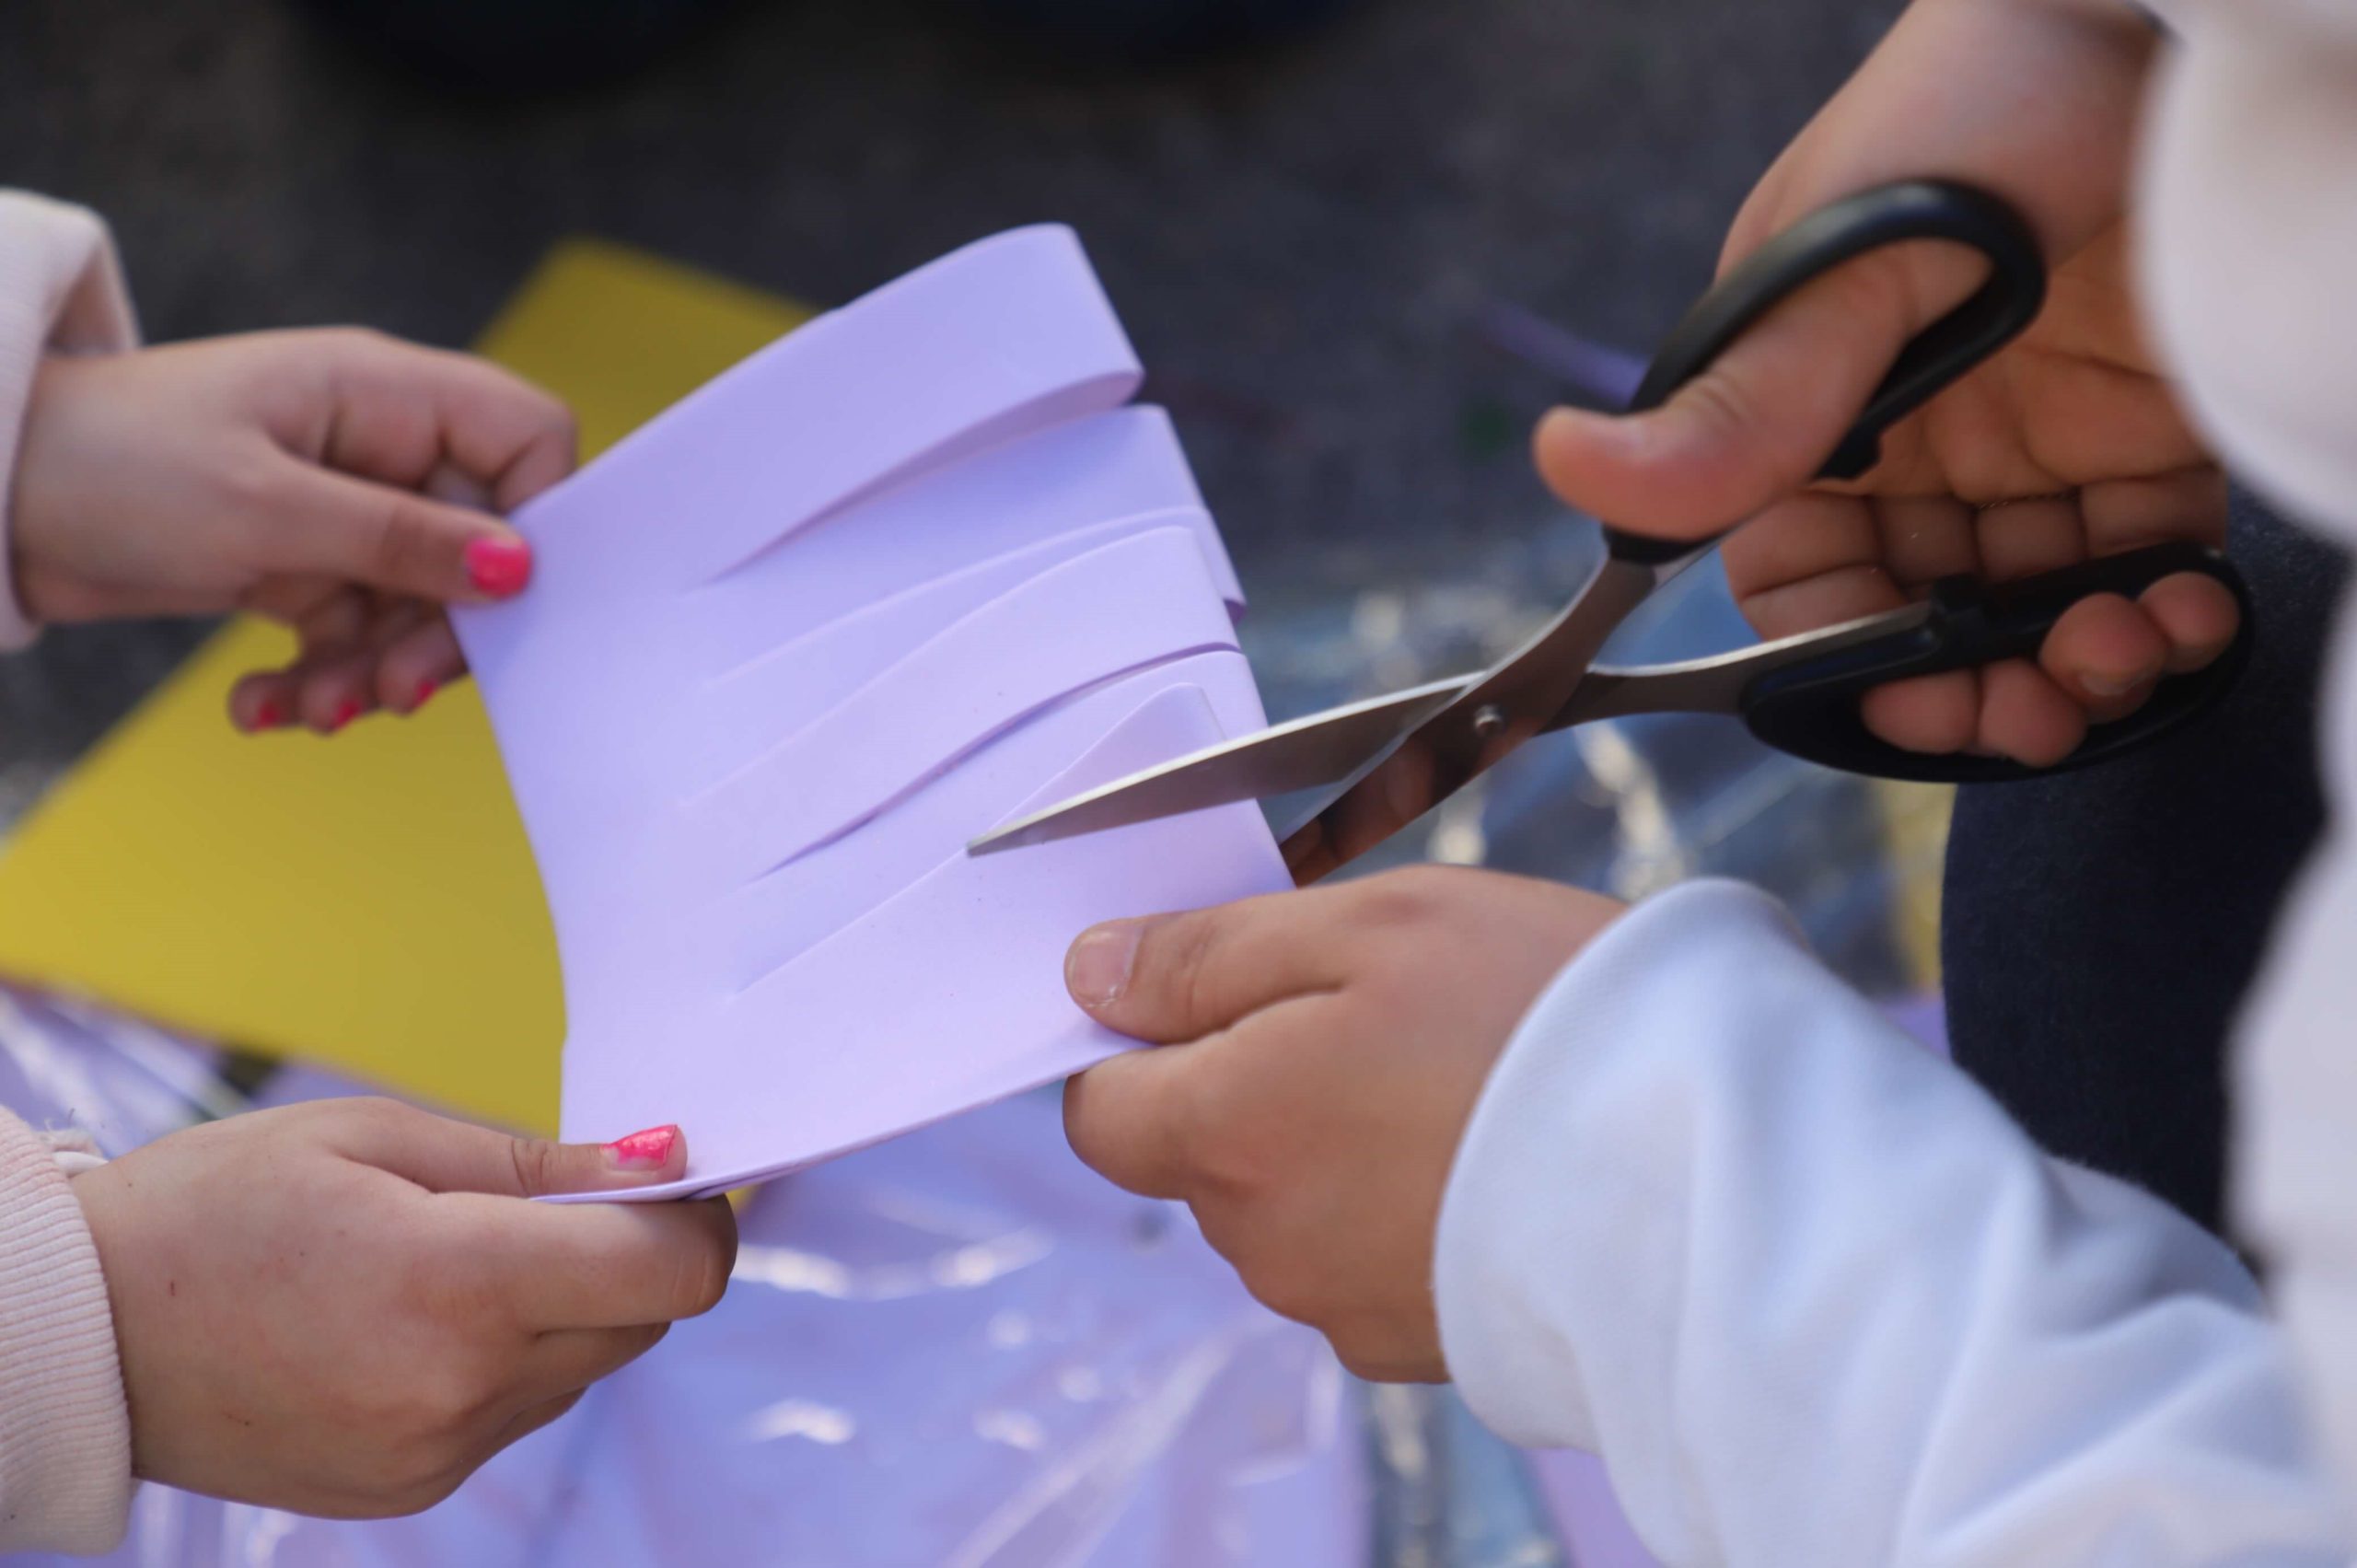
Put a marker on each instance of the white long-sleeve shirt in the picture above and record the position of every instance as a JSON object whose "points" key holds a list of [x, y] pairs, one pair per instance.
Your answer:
{"points": [[1808, 1292]]}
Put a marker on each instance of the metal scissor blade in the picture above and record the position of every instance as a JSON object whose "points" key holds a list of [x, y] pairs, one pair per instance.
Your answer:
{"points": [[1331, 749], [1321, 749], [1483, 722]]}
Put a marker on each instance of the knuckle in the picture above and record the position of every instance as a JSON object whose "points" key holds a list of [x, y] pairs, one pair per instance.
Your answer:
{"points": [[378, 1113], [1368, 1363], [1193, 1132], [1721, 404], [1176, 960], [253, 481], [558, 418], [709, 1280], [415, 1493], [1880, 285], [436, 1410], [538, 1163], [353, 340], [1227, 1139], [1085, 1127], [1412, 898], [701, 1265], [443, 1284], [399, 541], [1290, 1292]]}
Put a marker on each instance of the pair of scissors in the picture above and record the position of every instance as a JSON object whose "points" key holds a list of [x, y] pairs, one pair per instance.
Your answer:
{"points": [[1382, 762]]}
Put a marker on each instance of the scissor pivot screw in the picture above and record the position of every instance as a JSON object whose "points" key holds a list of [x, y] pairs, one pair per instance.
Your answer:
{"points": [[1488, 720]]}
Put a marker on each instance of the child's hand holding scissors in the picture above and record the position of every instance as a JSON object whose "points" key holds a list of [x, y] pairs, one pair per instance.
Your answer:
{"points": [[2067, 445]]}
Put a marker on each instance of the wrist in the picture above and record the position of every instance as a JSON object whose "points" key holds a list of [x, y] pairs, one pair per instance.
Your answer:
{"points": [[101, 1195], [36, 502], [61, 291]]}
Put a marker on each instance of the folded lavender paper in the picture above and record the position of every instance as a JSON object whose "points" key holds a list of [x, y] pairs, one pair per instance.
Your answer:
{"points": [[912, 571]]}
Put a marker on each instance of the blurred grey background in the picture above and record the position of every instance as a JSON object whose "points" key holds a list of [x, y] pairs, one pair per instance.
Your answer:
{"points": [[1302, 233]]}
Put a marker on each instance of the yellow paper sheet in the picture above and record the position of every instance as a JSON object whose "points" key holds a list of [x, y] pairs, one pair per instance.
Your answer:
{"points": [[365, 902], [1915, 836]]}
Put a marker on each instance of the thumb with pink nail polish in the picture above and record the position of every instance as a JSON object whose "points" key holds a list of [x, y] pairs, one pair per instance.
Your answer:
{"points": [[645, 1158]]}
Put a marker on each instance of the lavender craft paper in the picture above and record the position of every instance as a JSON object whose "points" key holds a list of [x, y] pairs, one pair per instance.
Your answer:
{"points": [[1126, 606], [1006, 338], [782, 915], [799, 681], [908, 573], [949, 995], [1123, 464]]}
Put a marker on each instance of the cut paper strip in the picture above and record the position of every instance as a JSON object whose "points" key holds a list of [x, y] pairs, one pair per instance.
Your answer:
{"points": [[952, 582], [878, 1029], [1077, 476], [1129, 605], [1009, 336], [782, 915], [796, 682]]}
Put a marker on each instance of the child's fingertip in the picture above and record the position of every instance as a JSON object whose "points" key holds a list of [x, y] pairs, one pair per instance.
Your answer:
{"points": [[1097, 968], [2197, 616], [647, 1153], [2106, 686], [2186, 658], [1564, 438], [1557, 424], [498, 565], [406, 698], [258, 704]]}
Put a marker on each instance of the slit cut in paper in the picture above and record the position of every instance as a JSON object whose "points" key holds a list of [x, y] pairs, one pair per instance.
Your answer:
{"points": [[911, 571]]}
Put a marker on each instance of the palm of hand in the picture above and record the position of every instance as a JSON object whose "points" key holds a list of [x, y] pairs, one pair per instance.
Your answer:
{"points": [[2068, 445]]}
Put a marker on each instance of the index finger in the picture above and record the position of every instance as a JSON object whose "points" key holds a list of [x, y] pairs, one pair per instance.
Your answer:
{"points": [[602, 1265], [406, 411], [1151, 1121]]}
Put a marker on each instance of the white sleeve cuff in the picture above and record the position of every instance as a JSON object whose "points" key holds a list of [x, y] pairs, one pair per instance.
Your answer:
{"points": [[1502, 1340], [65, 1431], [61, 291]]}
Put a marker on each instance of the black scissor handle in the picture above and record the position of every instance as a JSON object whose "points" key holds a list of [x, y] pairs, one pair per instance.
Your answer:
{"points": [[1935, 358], [1810, 708]]}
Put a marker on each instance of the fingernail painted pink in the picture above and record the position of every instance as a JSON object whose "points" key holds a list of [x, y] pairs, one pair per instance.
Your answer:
{"points": [[345, 712], [499, 567], [425, 689], [649, 1150], [269, 715]]}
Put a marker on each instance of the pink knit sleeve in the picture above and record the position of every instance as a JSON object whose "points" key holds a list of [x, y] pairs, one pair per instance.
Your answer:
{"points": [[61, 291], [64, 1430]]}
